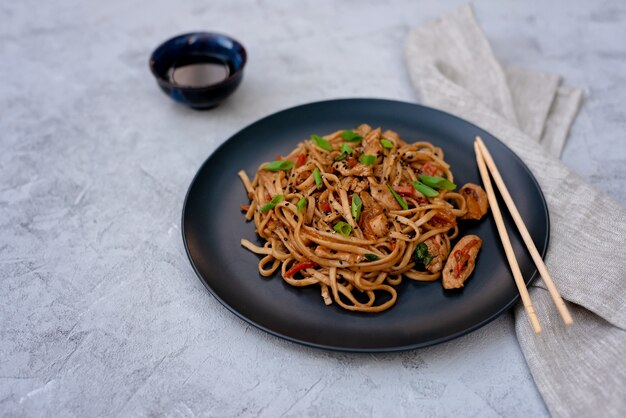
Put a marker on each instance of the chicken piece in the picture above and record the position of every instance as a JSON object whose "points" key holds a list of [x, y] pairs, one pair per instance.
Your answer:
{"points": [[444, 218], [476, 199], [393, 136], [461, 262], [438, 250], [371, 144], [383, 196], [359, 170], [363, 129], [354, 184], [339, 255], [378, 225], [378, 171], [373, 221]]}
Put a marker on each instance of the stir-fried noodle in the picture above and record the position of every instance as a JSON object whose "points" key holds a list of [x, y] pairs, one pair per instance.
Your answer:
{"points": [[354, 212]]}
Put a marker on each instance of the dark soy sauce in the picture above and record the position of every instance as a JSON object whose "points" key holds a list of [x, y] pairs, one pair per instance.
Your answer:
{"points": [[199, 71]]}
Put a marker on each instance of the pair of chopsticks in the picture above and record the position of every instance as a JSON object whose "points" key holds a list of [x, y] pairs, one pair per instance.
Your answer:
{"points": [[484, 161]]}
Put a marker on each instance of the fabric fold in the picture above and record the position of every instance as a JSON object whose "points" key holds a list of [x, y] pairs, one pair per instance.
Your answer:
{"points": [[560, 118], [531, 113], [533, 93]]}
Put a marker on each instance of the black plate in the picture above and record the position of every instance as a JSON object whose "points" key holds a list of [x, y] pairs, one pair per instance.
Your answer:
{"points": [[424, 314]]}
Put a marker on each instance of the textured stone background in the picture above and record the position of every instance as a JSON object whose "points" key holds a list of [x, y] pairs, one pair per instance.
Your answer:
{"points": [[100, 311]]}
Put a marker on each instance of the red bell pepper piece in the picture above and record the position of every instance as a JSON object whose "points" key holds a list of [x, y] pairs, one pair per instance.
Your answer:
{"points": [[429, 168], [406, 190], [301, 160], [300, 266], [461, 256]]}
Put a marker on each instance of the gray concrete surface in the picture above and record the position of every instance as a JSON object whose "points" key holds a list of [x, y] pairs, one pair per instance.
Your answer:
{"points": [[100, 311]]}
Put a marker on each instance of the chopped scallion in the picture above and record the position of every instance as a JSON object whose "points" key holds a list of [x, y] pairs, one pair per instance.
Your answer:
{"points": [[398, 198], [386, 143], [351, 136], [343, 228], [272, 203], [357, 205], [371, 257], [321, 142], [302, 203], [424, 189], [437, 182], [318, 178], [282, 165], [345, 150], [367, 159]]}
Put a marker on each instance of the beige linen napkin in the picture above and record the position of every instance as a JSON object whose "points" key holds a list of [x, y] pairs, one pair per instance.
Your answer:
{"points": [[580, 370]]}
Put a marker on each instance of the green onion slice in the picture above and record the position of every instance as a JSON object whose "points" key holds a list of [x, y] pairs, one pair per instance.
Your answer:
{"points": [[318, 177], [272, 203], [345, 150], [356, 206], [398, 197], [367, 159], [321, 142], [302, 203], [343, 228], [437, 182], [351, 136], [386, 143], [424, 189], [371, 257], [279, 165]]}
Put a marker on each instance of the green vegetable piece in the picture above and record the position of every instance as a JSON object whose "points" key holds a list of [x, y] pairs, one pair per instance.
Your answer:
{"points": [[272, 203], [318, 178], [343, 228], [367, 159], [357, 205], [351, 136], [345, 150], [279, 165], [371, 257], [437, 182], [424, 189], [302, 203], [321, 142], [422, 255], [421, 251], [386, 143], [398, 198]]}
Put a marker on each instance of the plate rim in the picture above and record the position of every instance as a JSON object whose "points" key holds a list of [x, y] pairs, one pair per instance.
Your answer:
{"points": [[346, 349]]}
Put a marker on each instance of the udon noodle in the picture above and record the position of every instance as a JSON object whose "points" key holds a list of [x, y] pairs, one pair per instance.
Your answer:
{"points": [[350, 212]]}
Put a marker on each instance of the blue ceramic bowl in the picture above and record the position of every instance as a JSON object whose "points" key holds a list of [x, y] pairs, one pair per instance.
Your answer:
{"points": [[199, 47]]}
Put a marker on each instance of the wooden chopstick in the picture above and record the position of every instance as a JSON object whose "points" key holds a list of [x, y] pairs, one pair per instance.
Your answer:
{"points": [[517, 218], [504, 237]]}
